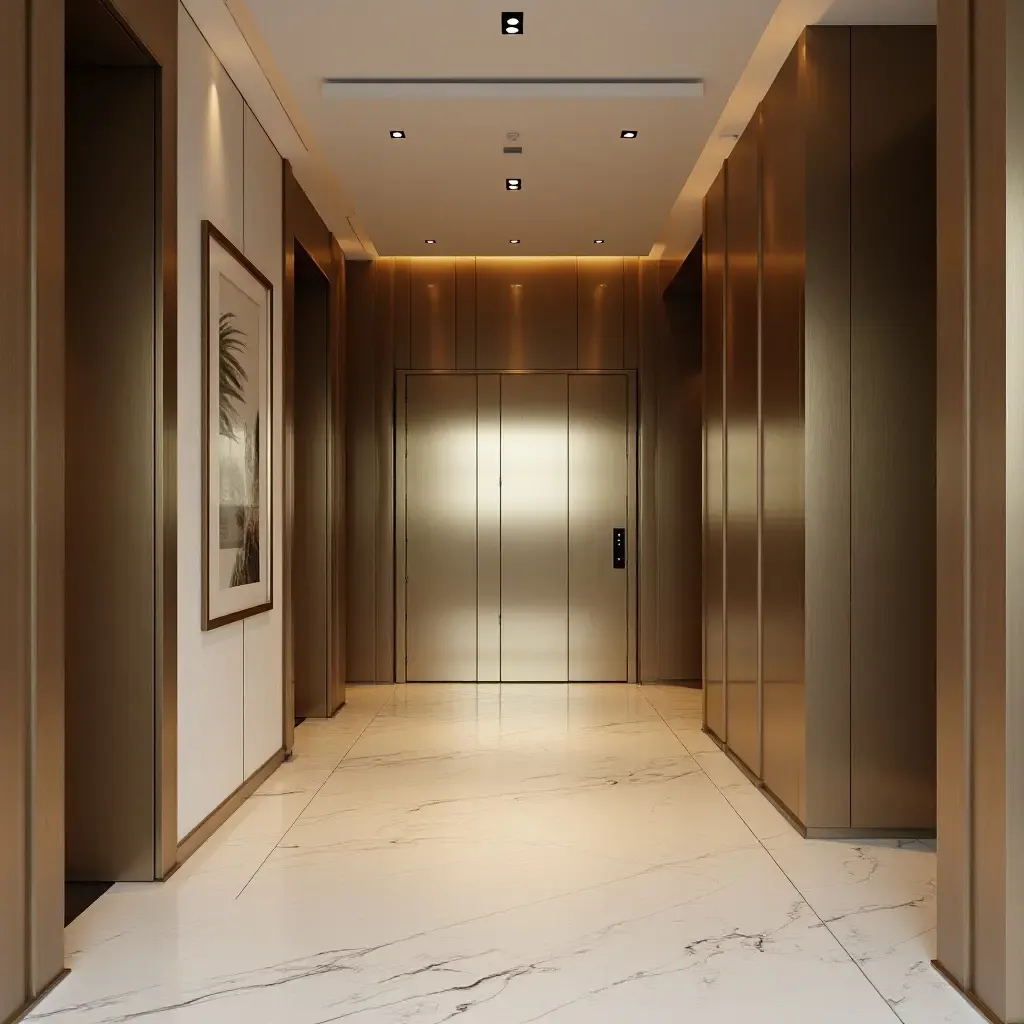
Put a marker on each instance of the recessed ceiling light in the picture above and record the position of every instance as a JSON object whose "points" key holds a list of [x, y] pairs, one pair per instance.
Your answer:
{"points": [[513, 184], [598, 241], [512, 23], [629, 133], [398, 135], [513, 241], [431, 241]]}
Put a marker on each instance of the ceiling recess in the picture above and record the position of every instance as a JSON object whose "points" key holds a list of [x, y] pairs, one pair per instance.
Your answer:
{"points": [[514, 88]]}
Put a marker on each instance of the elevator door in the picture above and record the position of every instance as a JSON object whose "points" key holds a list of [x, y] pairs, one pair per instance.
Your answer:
{"points": [[514, 528]]}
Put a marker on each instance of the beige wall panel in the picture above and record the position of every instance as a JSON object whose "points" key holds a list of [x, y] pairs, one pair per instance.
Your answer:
{"points": [[598, 504], [489, 528], [742, 442], [953, 367], [631, 313], [534, 528], [15, 400], [441, 528], [110, 474], [526, 314], [893, 428], [361, 472], [433, 314], [465, 312], [782, 409], [601, 314], [714, 457]]}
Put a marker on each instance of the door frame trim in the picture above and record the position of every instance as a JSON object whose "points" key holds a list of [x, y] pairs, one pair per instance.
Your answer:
{"points": [[632, 496]]}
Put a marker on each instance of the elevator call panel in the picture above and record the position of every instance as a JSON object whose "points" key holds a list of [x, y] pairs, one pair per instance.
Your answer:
{"points": [[619, 547]]}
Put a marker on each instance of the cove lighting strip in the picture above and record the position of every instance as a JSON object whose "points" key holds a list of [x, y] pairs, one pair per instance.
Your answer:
{"points": [[514, 88]]}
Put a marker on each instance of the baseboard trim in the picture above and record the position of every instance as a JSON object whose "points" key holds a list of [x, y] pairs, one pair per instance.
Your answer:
{"points": [[814, 831], [970, 997], [219, 815], [29, 1007]]}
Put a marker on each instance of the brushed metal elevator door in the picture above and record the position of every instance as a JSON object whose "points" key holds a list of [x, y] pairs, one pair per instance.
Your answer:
{"points": [[441, 528], [598, 506], [534, 528]]}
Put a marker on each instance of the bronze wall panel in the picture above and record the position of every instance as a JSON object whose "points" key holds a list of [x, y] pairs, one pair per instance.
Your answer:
{"points": [[631, 313], [393, 330], [526, 314], [782, 410], [337, 468], [742, 459], [401, 322], [953, 483], [601, 328], [361, 470], [893, 427], [434, 315], [714, 457], [110, 473], [651, 334], [15, 509], [465, 312]]}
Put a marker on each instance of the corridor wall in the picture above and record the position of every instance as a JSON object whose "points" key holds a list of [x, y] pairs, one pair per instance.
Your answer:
{"points": [[524, 314], [820, 436], [230, 680]]}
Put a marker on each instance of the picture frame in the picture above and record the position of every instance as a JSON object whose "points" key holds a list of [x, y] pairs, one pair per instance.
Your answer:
{"points": [[237, 478]]}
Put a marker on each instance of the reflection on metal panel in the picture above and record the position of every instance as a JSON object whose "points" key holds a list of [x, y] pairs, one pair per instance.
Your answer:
{"points": [[433, 314], [526, 314], [534, 528], [465, 312], [631, 313], [600, 343], [441, 529], [597, 507], [714, 457], [782, 550], [742, 449], [489, 528]]}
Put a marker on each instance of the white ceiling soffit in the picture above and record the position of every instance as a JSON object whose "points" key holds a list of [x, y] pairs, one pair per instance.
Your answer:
{"points": [[446, 179], [685, 222]]}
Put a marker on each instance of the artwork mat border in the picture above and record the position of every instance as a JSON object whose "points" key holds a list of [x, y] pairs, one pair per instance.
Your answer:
{"points": [[210, 235]]}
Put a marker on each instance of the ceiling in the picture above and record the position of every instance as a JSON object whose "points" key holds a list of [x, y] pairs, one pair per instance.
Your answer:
{"points": [[446, 179]]}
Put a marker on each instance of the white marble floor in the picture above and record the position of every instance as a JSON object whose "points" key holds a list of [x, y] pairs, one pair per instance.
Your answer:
{"points": [[576, 855]]}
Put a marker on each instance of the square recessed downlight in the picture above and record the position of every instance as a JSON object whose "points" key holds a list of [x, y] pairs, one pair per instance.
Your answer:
{"points": [[512, 23], [513, 184], [431, 241], [629, 133], [598, 241], [397, 134], [514, 241]]}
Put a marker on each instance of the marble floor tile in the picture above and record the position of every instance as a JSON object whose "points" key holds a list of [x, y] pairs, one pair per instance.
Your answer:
{"points": [[512, 854]]}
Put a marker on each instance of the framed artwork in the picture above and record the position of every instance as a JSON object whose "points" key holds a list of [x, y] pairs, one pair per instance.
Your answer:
{"points": [[237, 387]]}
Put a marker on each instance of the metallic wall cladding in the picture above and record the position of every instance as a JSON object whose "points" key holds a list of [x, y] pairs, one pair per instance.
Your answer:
{"points": [[15, 509], [488, 528], [714, 457], [782, 441], [433, 315], [534, 528], [598, 505], [980, 646], [110, 474], [601, 318], [825, 103], [526, 314], [391, 337], [742, 458], [892, 519], [310, 555], [441, 527]]}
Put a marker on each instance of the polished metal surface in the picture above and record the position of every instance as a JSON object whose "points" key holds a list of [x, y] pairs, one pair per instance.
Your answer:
{"points": [[440, 518], [465, 313], [650, 344], [534, 528], [892, 389], [598, 504], [825, 99], [714, 456], [110, 474], [433, 315], [310, 553], [742, 444], [601, 325], [488, 538], [15, 509], [782, 443], [631, 313], [388, 342], [526, 314]]}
